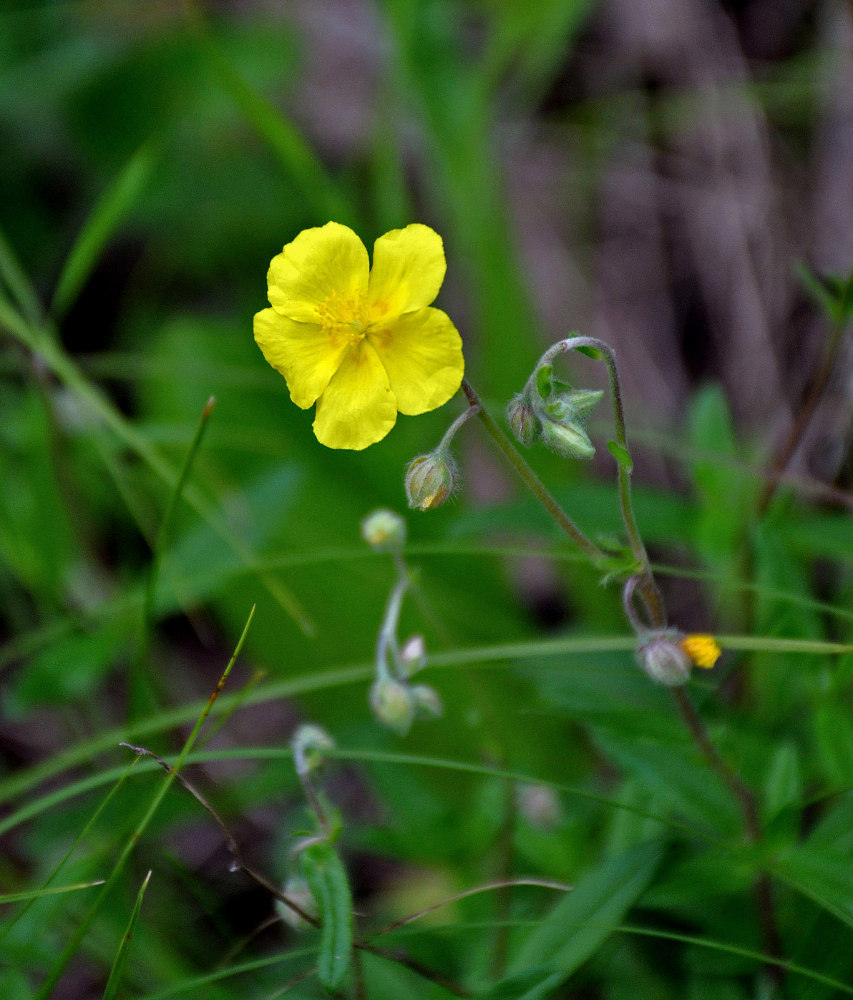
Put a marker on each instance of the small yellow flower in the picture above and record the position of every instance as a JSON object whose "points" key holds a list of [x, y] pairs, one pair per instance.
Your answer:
{"points": [[362, 344], [702, 649]]}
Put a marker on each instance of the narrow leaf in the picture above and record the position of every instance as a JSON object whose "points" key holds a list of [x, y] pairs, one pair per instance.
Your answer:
{"points": [[18, 897], [580, 923], [528, 985], [327, 879], [99, 228], [117, 971]]}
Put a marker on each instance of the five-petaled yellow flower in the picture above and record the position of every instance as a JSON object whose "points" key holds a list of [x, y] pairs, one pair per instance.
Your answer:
{"points": [[362, 344]]}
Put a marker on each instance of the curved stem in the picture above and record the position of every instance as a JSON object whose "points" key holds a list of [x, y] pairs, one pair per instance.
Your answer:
{"points": [[530, 479], [387, 639], [648, 588]]}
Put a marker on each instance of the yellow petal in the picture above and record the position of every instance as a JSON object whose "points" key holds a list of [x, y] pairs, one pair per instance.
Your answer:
{"points": [[358, 408], [302, 352], [422, 354], [408, 269], [321, 263]]}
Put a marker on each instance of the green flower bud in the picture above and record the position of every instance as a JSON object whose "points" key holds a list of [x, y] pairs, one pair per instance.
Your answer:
{"points": [[568, 439], [426, 701], [523, 422], [393, 704], [412, 656], [384, 531], [582, 401], [431, 479], [664, 660]]}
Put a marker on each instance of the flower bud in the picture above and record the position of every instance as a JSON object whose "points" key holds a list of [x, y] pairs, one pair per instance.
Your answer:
{"points": [[431, 479], [567, 438], [384, 531], [393, 704], [427, 702], [523, 422], [296, 888], [309, 743], [664, 660], [412, 656], [582, 401], [539, 805]]}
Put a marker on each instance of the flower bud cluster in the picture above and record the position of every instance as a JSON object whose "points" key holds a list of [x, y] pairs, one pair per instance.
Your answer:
{"points": [[397, 704], [552, 410]]}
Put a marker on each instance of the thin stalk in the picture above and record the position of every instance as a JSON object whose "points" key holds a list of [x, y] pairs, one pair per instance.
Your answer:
{"points": [[387, 640], [746, 800], [141, 681], [530, 479], [76, 937], [648, 588]]}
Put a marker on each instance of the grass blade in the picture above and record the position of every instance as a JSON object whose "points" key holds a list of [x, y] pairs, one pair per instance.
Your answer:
{"points": [[117, 971], [73, 943], [104, 220]]}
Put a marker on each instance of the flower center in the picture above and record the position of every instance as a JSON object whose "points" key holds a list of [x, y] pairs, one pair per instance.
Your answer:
{"points": [[344, 317]]}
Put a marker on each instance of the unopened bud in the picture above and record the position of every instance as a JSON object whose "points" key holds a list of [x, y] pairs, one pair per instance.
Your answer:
{"points": [[297, 890], [568, 439], [664, 660], [523, 422], [393, 704], [427, 702], [309, 743], [413, 656], [431, 479], [384, 531], [539, 805]]}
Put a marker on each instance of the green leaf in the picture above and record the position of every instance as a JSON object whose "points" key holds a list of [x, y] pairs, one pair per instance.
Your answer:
{"points": [[583, 920], [528, 985], [104, 220], [621, 454], [835, 743], [784, 786], [327, 879], [833, 293], [823, 877], [117, 971]]}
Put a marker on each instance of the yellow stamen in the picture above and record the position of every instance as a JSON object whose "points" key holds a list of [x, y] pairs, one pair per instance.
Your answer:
{"points": [[344, 316], [702, 649]]}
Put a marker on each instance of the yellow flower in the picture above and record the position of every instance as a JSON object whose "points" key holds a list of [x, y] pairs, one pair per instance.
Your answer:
{"points": [[702, 649], [362, 344]]}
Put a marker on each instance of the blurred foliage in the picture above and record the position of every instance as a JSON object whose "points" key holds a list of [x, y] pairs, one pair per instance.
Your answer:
{"points": [[155, 157]]}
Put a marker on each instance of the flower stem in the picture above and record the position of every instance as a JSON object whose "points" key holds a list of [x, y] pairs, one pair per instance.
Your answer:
{"points": [[530, 479], [647, 587], [387, 640], [746, 800], [463, 418]]}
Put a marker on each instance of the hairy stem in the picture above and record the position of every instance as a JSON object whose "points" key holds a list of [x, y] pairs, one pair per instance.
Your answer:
{"points": [[530, 479]]}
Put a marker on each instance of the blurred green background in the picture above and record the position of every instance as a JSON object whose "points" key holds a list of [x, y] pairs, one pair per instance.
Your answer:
{"points": [[652, 172]]}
